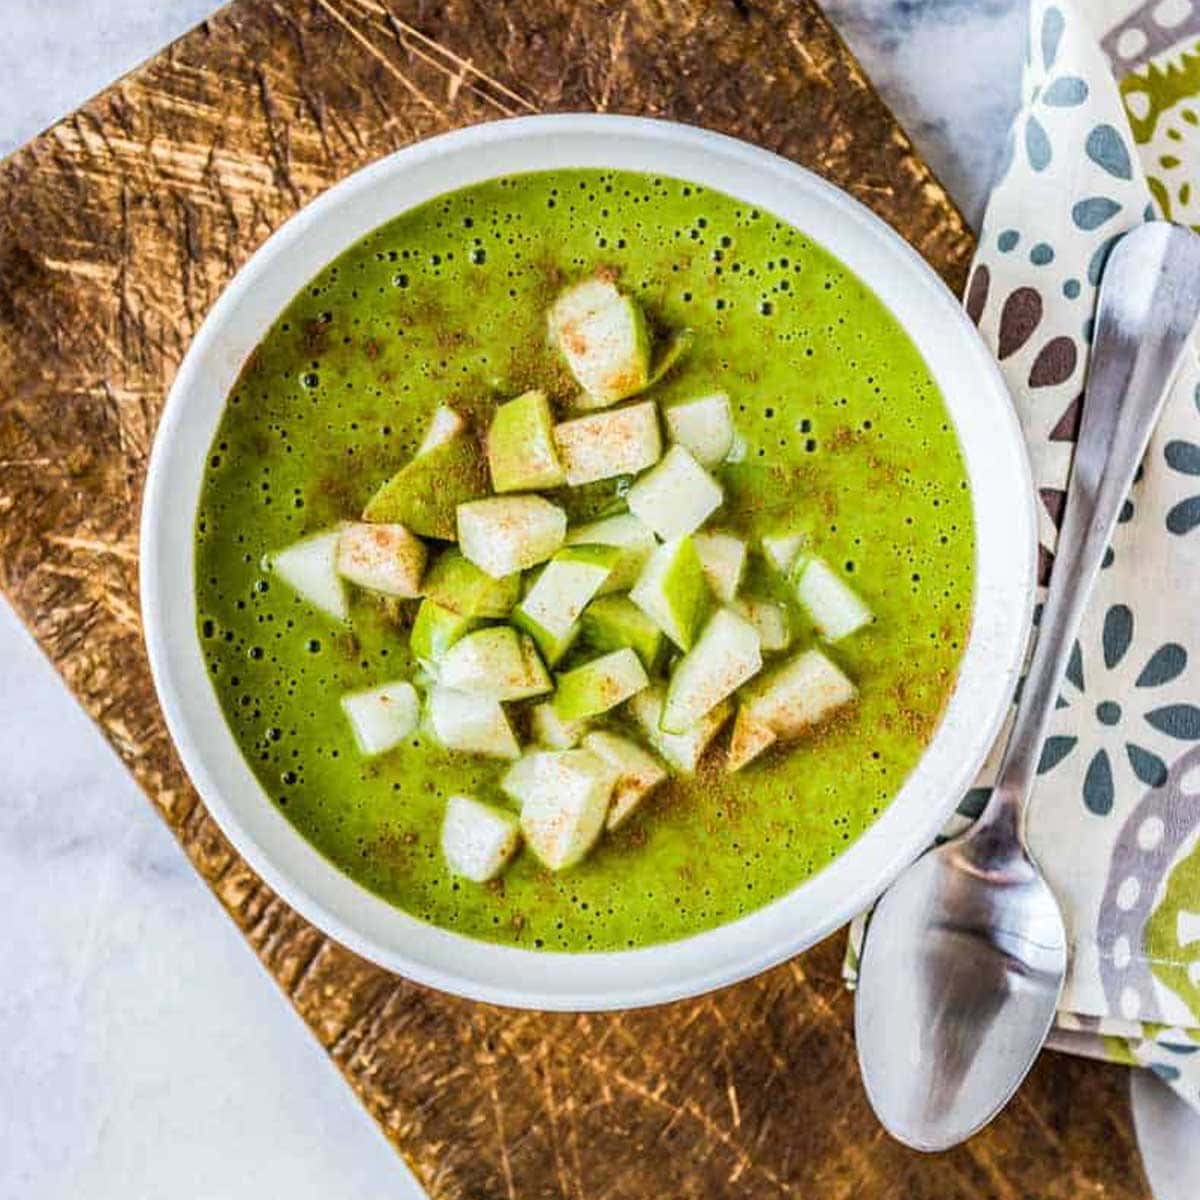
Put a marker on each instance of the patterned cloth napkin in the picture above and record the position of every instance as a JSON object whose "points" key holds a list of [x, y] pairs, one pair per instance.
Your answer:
{"points": [[1108, 136]]}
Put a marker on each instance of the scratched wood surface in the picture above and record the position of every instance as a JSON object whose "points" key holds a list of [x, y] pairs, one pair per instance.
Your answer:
{"points": [[118, 229]]}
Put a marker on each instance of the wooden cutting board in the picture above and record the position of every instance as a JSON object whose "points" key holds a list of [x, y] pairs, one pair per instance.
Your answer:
{"points": [[118, 229]]}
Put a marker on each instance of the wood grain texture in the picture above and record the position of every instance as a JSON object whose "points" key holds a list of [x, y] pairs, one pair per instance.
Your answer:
{"points": [[118, 229]]}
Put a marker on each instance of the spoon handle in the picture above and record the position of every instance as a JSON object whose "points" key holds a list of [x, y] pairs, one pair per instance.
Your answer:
{"points": [[1148, 305]]}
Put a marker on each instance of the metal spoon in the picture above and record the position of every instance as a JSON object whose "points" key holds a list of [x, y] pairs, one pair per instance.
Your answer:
{"points": [[966, 953]]}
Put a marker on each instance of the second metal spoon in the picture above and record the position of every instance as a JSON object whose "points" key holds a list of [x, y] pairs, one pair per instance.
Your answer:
{"points": [[966, 953]]}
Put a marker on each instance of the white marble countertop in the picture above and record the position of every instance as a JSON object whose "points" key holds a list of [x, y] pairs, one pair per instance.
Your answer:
{"points": [[144, 1053], [129, 1005]]}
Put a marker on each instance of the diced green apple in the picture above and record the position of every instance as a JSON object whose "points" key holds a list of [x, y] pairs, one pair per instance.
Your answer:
{"points": [[564, 798], [797, 695], [552, 647], [676, 497], [478, 840], [769, 619], [497, 662], [382, 717], [629, 535], [425, 493], [520, 446], [598, 685], [725, 656], [458, 584], [551, 608], [551, 731], [470, 723], [309, 568], [782, 549], [835, 607], [613, 622], [723, 559], [443, 425], [704, 426], [602, 335], [435, 630], [503, 534], [682, 750], [748, 740], [672, 592], [638, 773], [622, 441], [381, 558]]}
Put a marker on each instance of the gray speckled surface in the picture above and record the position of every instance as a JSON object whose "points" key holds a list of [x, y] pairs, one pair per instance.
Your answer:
{"points": [[951, 71], [54, 54], [1168, 1133]]}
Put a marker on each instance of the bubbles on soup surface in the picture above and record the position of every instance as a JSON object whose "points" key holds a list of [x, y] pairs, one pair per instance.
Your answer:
{"points": [[845, 436]]}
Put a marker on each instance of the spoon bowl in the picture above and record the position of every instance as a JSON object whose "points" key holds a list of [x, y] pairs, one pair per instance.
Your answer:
{"points": [[968, 958], [966, 954]]}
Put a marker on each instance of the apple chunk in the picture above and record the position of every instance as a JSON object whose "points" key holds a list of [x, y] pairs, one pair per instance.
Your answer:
{"points": [[782, 549], [470, 723], [748, 740], [622, 441], [614, 622], [435, 630], [458, 584], [602, 335], [503, 534], [676, 497], [770, 621], [835, 607], [425, 493], [444, 425], [520, 446], [638, 773], [629, 535], [799, 694], [682, 750], [551, 731], [564, 799], [497, 662], [553, 605], [478, 840], [382, 717], [599, 685], [725, 656], [671, 591], [382, 558], [704, 426], [309, 568], [723, 559]]}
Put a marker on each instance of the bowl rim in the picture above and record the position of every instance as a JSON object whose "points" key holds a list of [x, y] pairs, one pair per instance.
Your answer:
{"points": [[1003, 502]]}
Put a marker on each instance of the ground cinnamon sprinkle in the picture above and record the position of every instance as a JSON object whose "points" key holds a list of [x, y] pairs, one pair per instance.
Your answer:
{"points": [[473, 336]]}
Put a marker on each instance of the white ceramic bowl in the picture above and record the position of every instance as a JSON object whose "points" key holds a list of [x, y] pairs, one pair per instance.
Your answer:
{"points": [[1003, 507]]}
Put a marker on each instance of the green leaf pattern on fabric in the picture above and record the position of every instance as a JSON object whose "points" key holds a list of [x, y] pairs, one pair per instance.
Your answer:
{"points": [[1163, 103]]}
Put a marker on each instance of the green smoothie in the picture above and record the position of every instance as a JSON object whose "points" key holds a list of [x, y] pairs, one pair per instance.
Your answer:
{"points": [[842, 437]]}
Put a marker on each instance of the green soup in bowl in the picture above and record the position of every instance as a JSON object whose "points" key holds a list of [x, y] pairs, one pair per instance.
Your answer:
{"points": [[843, 438], [842, 460]]}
